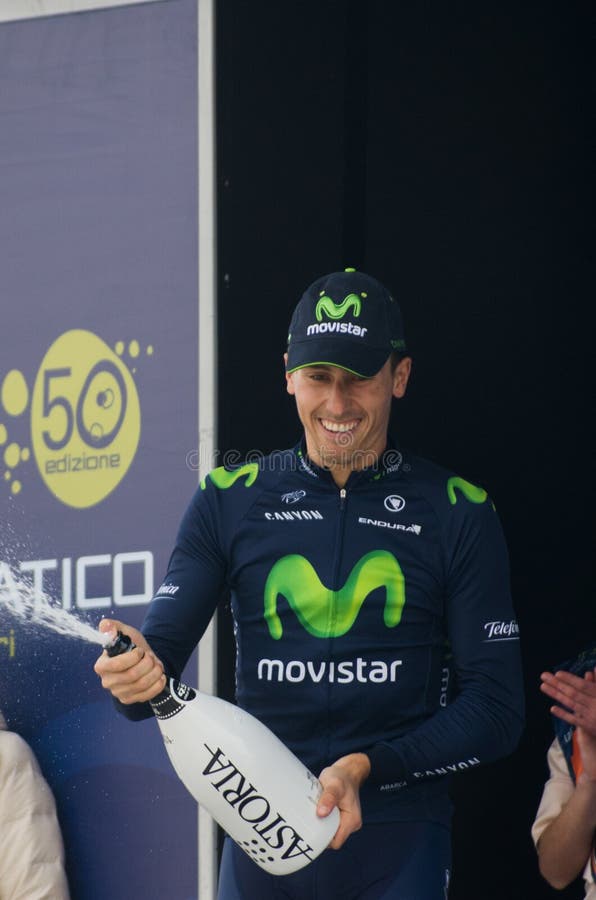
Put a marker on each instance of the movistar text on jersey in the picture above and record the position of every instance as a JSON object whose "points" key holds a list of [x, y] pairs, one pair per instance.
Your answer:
{"points": [[343, 327], [87, 462], [344, 672]]}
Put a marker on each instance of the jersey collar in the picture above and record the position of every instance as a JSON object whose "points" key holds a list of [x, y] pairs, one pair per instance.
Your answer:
{"points": [[390, 463]]}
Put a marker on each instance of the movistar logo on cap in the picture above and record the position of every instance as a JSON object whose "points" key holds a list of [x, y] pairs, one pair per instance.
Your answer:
{"points": [[326, 307], [334, 310], [326, 613]]}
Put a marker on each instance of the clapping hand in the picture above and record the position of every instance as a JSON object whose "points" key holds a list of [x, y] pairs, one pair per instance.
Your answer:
{"points": [[575, 698]]}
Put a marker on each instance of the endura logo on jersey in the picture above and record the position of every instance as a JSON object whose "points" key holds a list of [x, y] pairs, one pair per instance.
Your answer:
{"points": [[394, 503], [323, 612], [393, 526], [501, 631], [293, 496]]}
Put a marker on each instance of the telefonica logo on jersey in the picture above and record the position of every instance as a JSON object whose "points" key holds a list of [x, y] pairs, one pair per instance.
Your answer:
{"points": [[336, 311], [501, 631]]}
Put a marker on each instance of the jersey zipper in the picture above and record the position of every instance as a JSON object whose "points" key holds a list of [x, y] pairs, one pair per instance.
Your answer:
{"points": [[339, 547], [338, 553]]}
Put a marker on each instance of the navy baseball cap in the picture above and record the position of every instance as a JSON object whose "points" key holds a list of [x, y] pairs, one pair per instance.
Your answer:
{"points": [[345, 319]]}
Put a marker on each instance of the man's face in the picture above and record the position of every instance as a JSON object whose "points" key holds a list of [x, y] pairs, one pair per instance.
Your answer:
{"points": [[345, 417]]}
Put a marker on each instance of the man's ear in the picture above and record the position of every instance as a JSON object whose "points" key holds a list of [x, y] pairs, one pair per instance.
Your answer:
{"points": [[401, 376], [289, 377]]}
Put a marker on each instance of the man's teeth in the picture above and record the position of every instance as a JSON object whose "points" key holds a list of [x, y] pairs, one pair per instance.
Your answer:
{"points": [[339, 426]]}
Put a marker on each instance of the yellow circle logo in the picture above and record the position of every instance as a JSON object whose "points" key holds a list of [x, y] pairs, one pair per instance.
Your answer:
{"points": [[85, 419]]}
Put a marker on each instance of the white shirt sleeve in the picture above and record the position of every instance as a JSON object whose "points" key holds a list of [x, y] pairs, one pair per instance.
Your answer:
{"points": [[32, 858], [557, 791]]}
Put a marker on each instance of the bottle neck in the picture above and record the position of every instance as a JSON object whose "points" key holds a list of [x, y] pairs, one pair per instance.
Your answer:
{"points": [[165, 704], [170, 701]]}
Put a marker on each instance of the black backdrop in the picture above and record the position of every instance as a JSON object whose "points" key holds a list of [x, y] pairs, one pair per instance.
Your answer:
{"points": [[446, 149]]}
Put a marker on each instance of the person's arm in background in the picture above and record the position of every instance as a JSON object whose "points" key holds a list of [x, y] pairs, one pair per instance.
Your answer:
{"points": [[565, 844], [32, 857]]}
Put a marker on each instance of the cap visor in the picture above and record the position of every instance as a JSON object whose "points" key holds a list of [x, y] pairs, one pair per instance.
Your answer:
{"points": [[361, 361]]}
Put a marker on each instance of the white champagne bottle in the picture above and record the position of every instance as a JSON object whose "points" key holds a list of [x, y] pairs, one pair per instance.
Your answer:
{"points": [[243, 775]]}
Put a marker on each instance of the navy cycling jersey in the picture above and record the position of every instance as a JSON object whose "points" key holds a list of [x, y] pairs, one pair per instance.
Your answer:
{"points": [[375, 619]]}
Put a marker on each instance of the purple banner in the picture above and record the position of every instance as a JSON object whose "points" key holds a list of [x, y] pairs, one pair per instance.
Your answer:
{"points": [[98, 407]]}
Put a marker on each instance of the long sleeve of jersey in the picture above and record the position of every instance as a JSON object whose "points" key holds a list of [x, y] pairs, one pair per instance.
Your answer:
{"points": [[484, 720], [186, 599]]}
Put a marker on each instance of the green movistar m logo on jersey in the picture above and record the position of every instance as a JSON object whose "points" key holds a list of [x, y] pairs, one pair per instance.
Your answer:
{"points": [[472, 493], [224, 478], [326, 613]]}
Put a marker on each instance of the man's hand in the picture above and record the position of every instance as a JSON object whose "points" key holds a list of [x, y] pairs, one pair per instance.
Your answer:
{"points": [[341, 787], [133, 677], [578, 695]]}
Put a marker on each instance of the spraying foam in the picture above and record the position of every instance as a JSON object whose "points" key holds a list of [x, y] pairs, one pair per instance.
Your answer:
{"points": [[32, 607]]}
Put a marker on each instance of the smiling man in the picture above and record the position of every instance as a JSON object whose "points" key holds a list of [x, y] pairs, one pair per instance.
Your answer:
{"points": [[343, 375], [374, 627], [345, 415]]}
